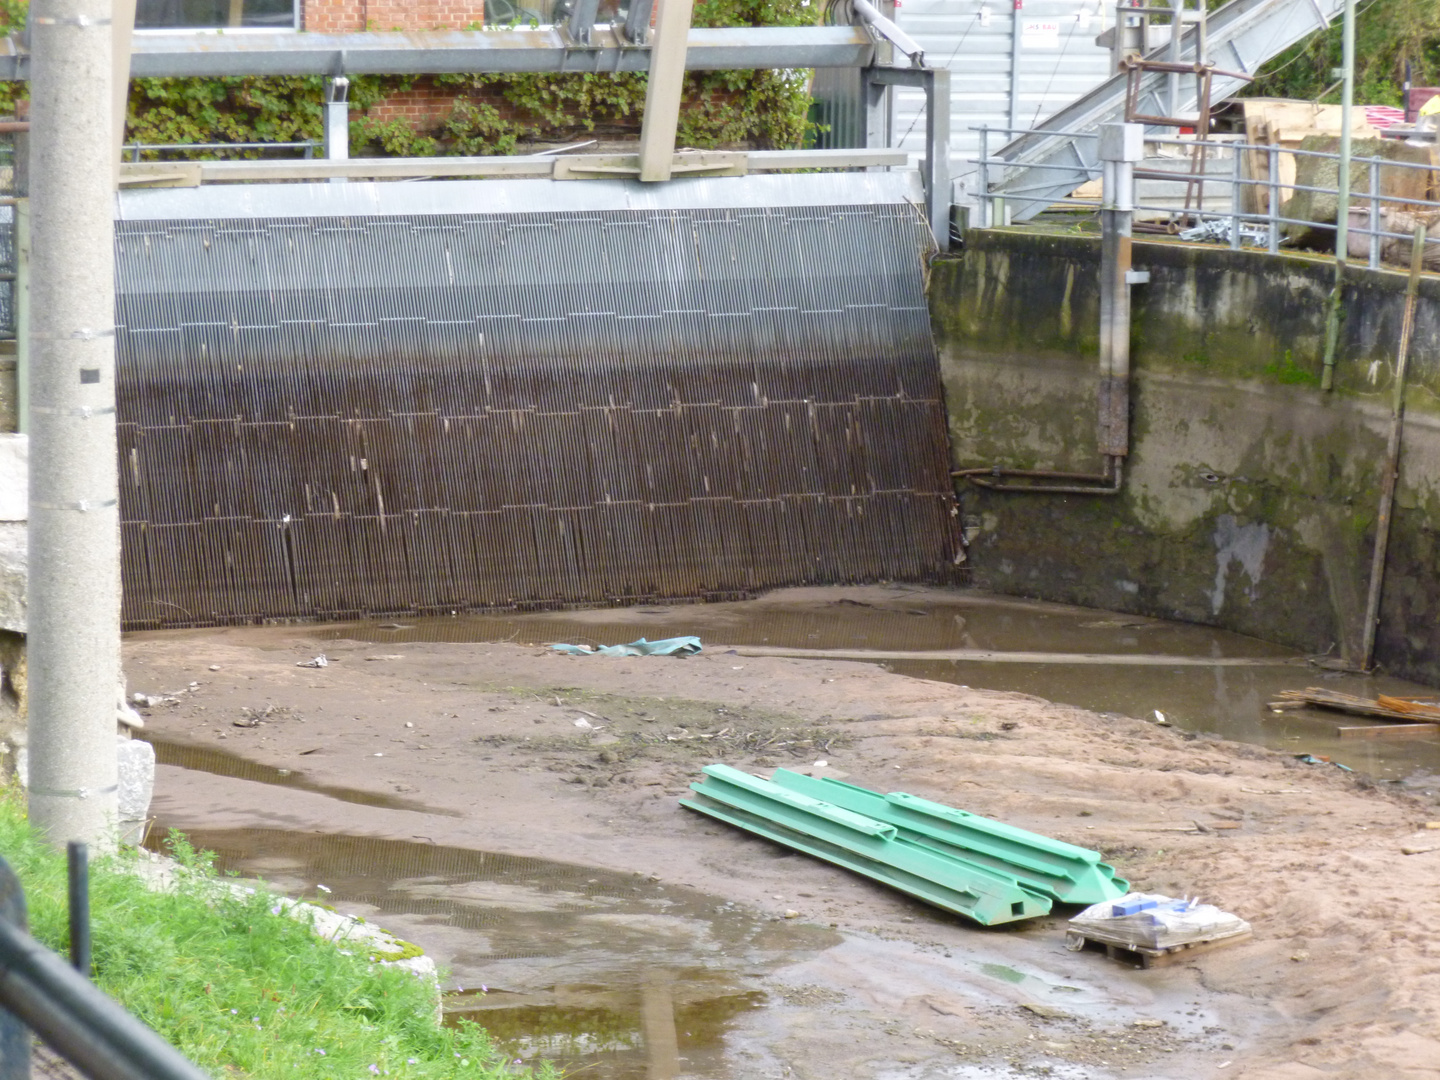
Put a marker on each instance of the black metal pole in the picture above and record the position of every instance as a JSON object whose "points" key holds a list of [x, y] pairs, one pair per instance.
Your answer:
{"points": [[77, 1020], [79, 867], [14, 1035]]}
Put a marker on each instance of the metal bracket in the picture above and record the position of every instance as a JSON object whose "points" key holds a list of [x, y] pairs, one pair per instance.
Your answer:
{"points": [[598, 166]]}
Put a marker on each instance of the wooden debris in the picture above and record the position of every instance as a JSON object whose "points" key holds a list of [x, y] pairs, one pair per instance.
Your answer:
{"points": [[1385, 708], [1142, 957], [1387, 731]]}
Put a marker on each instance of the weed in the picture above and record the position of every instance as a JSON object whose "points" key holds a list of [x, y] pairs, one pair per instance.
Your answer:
{"points": [[237, 987]]}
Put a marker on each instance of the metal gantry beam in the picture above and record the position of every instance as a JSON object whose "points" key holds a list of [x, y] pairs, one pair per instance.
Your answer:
{"points": [[442, 52]]}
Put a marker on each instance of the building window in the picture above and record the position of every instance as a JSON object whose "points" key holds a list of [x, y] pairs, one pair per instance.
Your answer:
{"points": [[216, 14]]}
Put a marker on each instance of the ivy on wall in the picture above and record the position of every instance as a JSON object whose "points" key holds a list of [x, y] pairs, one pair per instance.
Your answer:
{"points": [[491, 114]]}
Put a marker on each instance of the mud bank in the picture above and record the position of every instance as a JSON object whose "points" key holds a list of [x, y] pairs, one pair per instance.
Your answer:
{"points": [[480, 747]]}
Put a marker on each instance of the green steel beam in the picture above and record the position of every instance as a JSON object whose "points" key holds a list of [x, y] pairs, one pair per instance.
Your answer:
{"points": [[1069, 874], [867, 846]]}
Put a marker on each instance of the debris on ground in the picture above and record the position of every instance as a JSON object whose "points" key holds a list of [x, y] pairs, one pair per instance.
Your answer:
{"points": [[1320, 759], [1151, 927], [317, 662], [1384, 707], [676, 646]]}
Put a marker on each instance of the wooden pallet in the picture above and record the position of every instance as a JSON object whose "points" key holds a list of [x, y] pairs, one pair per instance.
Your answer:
{"points": [[1141, 956]]}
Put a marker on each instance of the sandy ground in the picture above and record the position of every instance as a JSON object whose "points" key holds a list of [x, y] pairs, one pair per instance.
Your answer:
{"points": [[1342, 978]]}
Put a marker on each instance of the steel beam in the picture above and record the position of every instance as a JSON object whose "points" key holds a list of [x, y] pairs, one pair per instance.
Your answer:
{"points": [[663, 89], [581, 24], [471, 51], [637, 21], [936, 84]]}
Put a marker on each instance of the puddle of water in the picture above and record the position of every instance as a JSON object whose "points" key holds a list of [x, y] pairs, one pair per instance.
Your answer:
{"points": [[613, 974], [1226, 701], [225, 763]]}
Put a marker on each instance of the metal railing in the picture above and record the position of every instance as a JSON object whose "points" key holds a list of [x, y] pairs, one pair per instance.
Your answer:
{"points": [[1270, 200], [40, 992], [134, 150]]}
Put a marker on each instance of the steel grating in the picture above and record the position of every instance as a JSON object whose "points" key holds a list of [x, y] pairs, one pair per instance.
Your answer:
{"points": [[423, 413]]}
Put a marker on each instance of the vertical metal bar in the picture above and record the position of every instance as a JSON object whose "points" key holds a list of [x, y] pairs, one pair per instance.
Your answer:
{"points": [[662, 95], [1342, 199], [937, 154], [637, 21], [1272, 155], [982, 177], [1374, 214], [14, 1034], [74, 521], [582, 20], [337, 122], [1015, 50], [78, 880], [1391, 475], [1235, 191]]}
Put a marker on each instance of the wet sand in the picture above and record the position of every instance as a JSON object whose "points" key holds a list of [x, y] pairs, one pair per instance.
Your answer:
{"points": [[477, 746]]}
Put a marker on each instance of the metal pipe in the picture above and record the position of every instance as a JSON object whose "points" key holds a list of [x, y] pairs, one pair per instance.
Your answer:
{"points": [[78, 881], [71, 1014], [14, 1035], [1342, 198], [892, 33], [437, 52], [74, 537], [1391, 476], [1109, 482], [337, 122], [1015, 50]]}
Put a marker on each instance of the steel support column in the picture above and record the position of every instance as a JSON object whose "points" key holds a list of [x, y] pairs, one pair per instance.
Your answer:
{"points": [[936, 169]]}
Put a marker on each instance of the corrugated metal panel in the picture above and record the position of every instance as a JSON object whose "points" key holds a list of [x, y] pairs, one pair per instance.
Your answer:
{"points": [[1058, 61]]}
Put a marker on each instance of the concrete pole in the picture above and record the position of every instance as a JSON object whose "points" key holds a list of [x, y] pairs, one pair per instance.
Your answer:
{"points": [[74, 639], [662, 93], [1121, 146], [122, 34]]}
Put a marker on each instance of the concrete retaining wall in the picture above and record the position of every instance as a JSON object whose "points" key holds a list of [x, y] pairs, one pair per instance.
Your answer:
{"points": [[1251, 496]]}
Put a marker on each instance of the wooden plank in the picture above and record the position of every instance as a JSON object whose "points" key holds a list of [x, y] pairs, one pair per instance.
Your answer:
{"points": [[1387, 731]]}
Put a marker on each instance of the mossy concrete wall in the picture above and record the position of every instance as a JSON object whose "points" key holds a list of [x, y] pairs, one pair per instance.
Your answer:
{"points": [[1251, 495]]}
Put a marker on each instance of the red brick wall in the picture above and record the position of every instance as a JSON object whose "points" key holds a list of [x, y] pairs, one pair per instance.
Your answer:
{"points": [[336, 16]]}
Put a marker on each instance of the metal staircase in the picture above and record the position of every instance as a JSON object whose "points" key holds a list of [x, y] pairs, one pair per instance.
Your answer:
{"points": [[1042, 166]]}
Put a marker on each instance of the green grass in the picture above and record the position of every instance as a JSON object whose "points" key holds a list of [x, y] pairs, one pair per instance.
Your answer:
{"points": [[241, 990]]}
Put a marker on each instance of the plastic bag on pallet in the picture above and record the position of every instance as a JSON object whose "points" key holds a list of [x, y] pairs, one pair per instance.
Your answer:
{"points": [[1152, 921]]}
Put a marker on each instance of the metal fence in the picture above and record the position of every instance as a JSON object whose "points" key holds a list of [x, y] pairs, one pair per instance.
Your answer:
{"points": [[1233, 192]]}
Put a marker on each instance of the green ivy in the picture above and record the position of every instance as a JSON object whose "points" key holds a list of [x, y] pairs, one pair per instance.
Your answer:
{"points": [[760, 108]]}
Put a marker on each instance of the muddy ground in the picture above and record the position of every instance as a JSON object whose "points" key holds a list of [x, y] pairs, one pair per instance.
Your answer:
{"points": [[513, 748]]}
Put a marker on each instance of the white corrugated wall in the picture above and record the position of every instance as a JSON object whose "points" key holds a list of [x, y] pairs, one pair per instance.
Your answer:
{"points": [[1057, 61]]}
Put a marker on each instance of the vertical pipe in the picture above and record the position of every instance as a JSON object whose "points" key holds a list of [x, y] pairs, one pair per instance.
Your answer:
{"points": [[1015, 49], [1391, 475], [1120, 146], [982, 178], [662, 93], [1342, 198], [1272, 155], [78, 880], [337, 122], [74, 522], [1374, 215], [937, 154], [1236, 188]]}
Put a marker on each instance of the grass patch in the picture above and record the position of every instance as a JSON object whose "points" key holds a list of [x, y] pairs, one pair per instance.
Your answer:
{"points": [[236, 987]]}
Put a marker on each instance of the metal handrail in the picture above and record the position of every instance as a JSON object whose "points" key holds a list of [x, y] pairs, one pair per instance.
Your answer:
{"points": [[1243, 224], [66, 1010]]}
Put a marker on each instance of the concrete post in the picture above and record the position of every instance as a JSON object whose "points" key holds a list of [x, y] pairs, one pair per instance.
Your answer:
{"points": [[74, 617], [1121, 145], [662, 93]]}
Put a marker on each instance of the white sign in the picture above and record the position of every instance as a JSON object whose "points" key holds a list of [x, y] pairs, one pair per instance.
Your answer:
{"points": [[1040, 34]]}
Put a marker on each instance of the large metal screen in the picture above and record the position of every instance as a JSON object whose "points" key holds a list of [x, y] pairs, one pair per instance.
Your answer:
{"points": [[329, 417]]}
